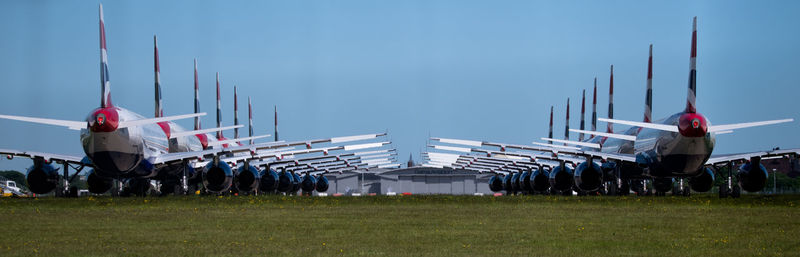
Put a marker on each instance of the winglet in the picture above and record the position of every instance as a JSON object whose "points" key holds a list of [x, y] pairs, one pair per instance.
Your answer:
{"points": [[105, 83], [692, 94], [196, 97], [159, 112]]}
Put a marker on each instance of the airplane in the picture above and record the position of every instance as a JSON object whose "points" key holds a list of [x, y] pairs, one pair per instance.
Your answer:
{"points": [[677, 147], [122, 145]]}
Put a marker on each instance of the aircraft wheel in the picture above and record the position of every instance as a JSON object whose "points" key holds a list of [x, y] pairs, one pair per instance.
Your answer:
{"points": [[624, 188], [737, 191], [723, 192], [687, 192]]}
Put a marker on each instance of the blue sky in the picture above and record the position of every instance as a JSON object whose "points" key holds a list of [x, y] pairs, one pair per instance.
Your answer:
{"points": [[485, 70]]}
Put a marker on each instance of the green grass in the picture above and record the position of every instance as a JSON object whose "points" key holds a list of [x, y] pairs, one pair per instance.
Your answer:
{"points": [[402, 225]]}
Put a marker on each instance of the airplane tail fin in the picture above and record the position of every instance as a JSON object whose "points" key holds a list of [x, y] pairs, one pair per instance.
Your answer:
{"points": [[105, 83], [610, 128], [196, 97], [219, 110], [648, 98], [158, 109], [276, 123], [550, 133], [250, 119], [235, 112], [690, 99], [566, 125], [594, 108], [583, 112]]}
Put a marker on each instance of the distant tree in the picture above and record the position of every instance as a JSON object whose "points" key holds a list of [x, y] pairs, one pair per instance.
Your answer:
{"points": [[16, 176]]}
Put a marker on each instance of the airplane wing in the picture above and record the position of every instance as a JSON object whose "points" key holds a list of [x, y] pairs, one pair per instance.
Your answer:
{"points": [[723, 129], [554, 151], [73, 125], [717, 160], [58, 158]]}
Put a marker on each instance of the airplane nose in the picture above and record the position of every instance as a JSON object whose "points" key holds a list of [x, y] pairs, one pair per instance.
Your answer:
{"points": [[692, 125]]}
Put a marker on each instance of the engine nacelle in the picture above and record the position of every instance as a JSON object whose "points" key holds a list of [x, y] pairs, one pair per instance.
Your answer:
{"points": [[752, 176], [308, 184], [561, 178], [98, 184], [588, 176], [42, 177], [217, 178], [285, 182], [269, 181], [496, 183], [540, 180], [525, 181], [515, 186], [508, 182], [247, 179], [322, 184], [702, 182], [296, 182]]}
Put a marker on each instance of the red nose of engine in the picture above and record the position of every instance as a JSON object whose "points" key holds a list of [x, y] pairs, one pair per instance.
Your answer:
{"points": [[104, 120], [693, 125]]}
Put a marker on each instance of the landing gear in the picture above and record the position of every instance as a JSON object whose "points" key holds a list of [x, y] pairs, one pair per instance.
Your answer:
{"points": [[728, 188], [624, 187], [736, 192], [687, 191], [680, 189]]}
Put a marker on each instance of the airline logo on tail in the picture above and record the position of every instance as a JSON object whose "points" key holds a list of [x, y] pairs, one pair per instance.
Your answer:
{"points": [[105, 84]]}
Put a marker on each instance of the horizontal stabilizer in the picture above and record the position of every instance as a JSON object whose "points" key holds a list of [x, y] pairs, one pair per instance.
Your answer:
{"points": [[202, 131], [336, 140], [720, 128], [452, 148], [230, 141], [556, 146], [459, 142], [670, 128], [73, 125], [133, 123], [364, 146], [603, 134]]}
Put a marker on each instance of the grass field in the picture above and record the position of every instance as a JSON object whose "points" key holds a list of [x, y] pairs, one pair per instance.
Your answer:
{"points": [[402, 226]]}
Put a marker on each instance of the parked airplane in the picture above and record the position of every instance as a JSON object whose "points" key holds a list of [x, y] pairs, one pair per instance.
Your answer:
{"points": [[675, 147], [122, 145]]}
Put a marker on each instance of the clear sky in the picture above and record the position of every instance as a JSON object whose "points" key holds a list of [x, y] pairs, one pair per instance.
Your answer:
{"points": [[484, 70]]}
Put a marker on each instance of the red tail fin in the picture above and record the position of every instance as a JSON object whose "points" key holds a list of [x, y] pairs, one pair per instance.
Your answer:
{"points": [[690, 98], [648, 98], [105, 83]]}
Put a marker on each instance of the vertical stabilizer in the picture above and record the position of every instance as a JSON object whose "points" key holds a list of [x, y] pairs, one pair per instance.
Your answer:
{"points": [[250, 119], [690, 98], [235, 112], [219, 110], [583, 112], [550, 132], [648, 98], [196, 97], [159, 112], [276, 123], [594, 108], [105, 83], [566, 125], [610, 127]]}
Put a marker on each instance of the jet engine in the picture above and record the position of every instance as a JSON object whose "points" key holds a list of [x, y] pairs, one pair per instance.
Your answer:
{"points": [[561, 178], [496, 183], [308, 184], [217, 177], [285, 182], [269, 181], [322, 184], [525, 181], [753, 176], [247, 179], [515, 186], [42, 177], [296, 182], [702, 182], [508, 182], [540, 180], [588, 176], [98, 184]]}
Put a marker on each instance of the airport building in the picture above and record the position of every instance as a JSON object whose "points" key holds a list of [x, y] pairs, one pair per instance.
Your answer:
{"points": [[414, 180]]}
